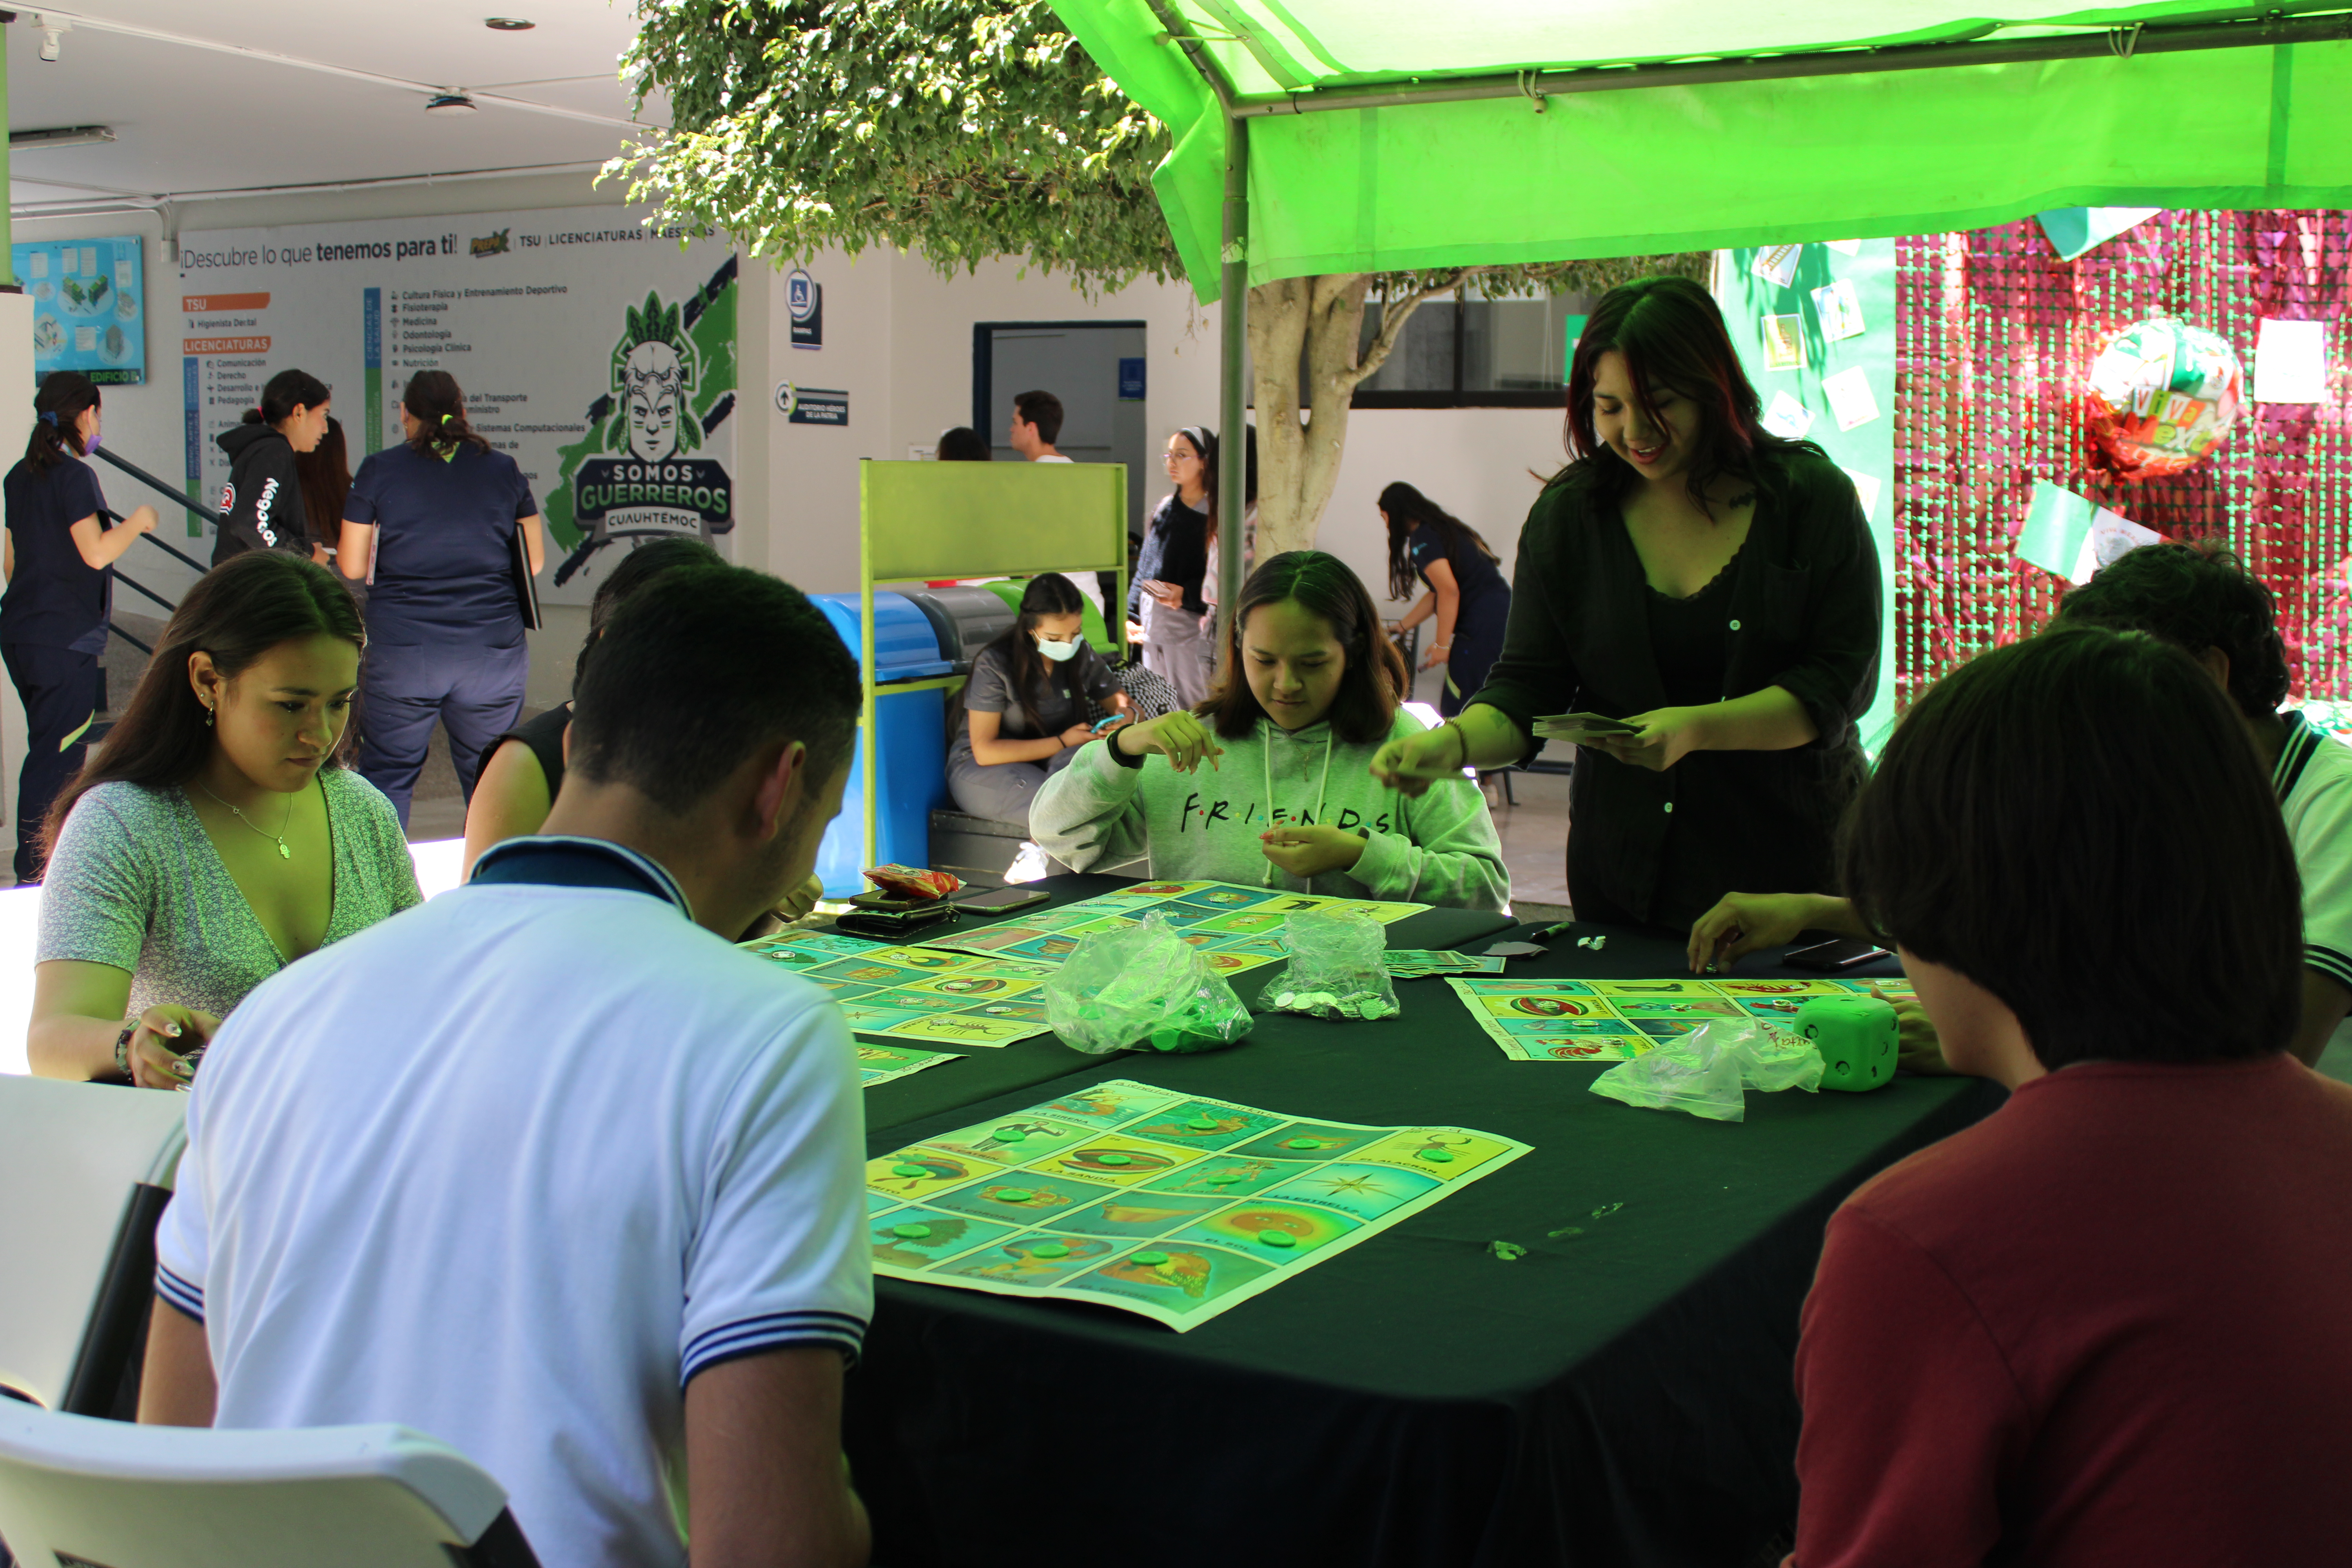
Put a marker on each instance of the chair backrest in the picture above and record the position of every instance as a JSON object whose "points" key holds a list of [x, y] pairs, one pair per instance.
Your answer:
{"points": [[75, 1489], [85, 1170]]}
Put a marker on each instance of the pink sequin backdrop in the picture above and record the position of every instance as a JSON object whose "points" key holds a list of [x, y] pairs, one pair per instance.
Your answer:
{"points": [[1993, 334]]}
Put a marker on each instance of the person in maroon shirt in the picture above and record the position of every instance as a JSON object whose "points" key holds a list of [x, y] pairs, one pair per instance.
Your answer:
{"points": [[2106, 1325]]}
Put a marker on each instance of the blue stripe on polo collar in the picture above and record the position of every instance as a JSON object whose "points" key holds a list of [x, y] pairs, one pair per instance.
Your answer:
{"points": [[564, 861]]}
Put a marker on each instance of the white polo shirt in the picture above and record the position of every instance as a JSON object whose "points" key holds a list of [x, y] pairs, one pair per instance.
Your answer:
{"points": [[2314, 780], [511, 1169]]}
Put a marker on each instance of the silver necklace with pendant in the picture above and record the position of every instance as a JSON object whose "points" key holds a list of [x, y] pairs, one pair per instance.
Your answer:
{"points": [[277, 839]]}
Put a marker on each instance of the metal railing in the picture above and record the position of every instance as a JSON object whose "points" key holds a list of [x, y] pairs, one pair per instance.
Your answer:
{"points": [[193, 508]]}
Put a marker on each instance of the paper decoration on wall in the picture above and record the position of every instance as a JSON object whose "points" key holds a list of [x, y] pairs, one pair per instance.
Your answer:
{"points": [[1787, 417], [1844, 247], [1866, 490], [1840, 310], [1784, 343], [2074, 230], [2162, 392], [2291, 362], [2065, 535], [1778, 263], [1851, 402]]}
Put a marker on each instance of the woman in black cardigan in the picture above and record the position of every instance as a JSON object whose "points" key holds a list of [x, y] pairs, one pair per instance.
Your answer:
{"points": [[1709, 583]]}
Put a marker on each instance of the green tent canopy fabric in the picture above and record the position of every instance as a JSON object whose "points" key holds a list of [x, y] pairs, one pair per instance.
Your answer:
{"points": [[1398, 184]]}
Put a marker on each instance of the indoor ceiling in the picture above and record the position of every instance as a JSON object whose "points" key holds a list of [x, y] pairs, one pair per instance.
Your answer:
{"points": [[272, 93]]}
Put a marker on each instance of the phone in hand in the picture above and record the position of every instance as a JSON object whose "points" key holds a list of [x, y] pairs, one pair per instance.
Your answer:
{"points": [[1845, 953], [998, 900], [1108, 719]]}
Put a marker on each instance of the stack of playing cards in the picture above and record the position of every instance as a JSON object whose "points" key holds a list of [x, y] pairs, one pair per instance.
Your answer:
{"points": [[1580, 726], [1419, 964]]}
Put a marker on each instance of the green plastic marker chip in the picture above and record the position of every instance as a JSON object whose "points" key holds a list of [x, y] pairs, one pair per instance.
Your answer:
{"points": [[1113, 1160], [1049, 1249], [1011, 1195], [911, 1232], [1149, 1260], [909, 1170], [1435, 1156], [1302, 1143], [1278, 1238]]}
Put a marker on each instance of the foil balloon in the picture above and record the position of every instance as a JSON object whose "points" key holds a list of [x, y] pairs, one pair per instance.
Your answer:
{"points": [[2162, 394]]}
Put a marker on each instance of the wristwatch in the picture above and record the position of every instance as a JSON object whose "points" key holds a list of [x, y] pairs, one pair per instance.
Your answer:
{"points": [[122, 1048]]}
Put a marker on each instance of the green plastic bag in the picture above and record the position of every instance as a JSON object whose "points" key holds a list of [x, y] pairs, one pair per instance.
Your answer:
{"points": [[1142, 987]]}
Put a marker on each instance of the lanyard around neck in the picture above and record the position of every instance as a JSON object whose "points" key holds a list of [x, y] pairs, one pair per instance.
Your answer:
{"points": [[1265, 755]]}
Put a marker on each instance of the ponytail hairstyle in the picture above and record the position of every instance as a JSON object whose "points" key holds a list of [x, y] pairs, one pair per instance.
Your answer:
{"points": [[287, 391], [58, 409], [1407, 509], [1049, 594], [1365, 708], [325, 471], [435, 402], [237, 611], [631, 572]]}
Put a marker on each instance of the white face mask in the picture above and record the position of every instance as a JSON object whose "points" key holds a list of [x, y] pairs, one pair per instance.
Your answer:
{"points": [[1058, 651]]}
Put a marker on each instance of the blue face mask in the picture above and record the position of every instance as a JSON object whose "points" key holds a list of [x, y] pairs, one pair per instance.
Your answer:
{"points": [[1057, 651]]}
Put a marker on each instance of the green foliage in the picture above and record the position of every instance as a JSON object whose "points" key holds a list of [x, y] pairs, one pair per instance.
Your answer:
{"points": [[965, 130]]}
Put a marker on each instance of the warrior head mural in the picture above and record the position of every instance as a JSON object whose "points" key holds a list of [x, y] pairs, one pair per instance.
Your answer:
{"points": [[653, 371]]}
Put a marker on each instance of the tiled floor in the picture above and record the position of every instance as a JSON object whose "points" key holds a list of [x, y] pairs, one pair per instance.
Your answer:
{"points": [[1534, 838]]}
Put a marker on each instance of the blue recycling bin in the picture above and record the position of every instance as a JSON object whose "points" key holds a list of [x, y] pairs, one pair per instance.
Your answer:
{"points": [[908, 751]]}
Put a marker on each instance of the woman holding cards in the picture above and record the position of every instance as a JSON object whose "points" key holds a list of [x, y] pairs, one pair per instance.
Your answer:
{"points": [[1709, 585]]}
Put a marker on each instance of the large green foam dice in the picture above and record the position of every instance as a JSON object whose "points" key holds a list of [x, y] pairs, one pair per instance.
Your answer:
{"points": [[1856, 1037]]}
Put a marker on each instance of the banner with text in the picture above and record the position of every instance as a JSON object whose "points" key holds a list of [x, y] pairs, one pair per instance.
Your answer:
{"points": [[600, 355]]}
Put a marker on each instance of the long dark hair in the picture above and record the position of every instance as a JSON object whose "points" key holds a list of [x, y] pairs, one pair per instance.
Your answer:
{"points": [[438, 406], [2045, 806], [1321, 585], [237, 611], [633, 572], [64, 394], [1672, 335], [1407, 509], [1050, 594], [325, 471], [287, 391], [1204, 441]]}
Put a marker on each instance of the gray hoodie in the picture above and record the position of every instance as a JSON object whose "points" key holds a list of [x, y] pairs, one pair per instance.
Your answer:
{"points": [[1438, 849]]}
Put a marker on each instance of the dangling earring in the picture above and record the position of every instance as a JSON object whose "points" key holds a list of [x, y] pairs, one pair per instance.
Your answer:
{"points": [[208, 716]]}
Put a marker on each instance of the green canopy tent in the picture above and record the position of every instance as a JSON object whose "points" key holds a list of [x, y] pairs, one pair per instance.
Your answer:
{"points": [[1319, 136]]}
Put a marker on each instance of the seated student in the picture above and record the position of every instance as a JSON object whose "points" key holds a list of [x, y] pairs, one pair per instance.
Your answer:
{"points": [[2202, 599], [1287, 798], [2105, 1324], [216, 835], [1023, 711], [587, 1202]]}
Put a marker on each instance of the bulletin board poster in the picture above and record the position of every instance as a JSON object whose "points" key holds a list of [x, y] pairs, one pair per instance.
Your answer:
{"points": [[1814, 325], [597, 351], [90, 308]]}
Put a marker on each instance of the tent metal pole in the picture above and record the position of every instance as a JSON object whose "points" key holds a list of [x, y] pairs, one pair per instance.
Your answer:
{"points": [[2253, 32], [1233, 345]]}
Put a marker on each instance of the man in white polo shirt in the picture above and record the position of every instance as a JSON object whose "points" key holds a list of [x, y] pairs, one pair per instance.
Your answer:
{"points": [[548, 1168]]}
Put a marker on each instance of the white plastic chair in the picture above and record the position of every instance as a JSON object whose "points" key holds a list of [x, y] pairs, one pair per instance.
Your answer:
{"points": [[80, 1491], [85, 1171]]}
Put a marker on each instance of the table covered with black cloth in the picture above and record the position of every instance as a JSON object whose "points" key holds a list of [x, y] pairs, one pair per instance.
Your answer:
{"points": [[983, 1072], [1621, 1394]]}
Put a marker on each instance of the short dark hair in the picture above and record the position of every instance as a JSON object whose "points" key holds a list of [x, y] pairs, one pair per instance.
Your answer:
{"points": [[1365, 708], [287, 391], [640, 566], [1043, 410], [2195, 596], [702, 668], [963, 445], [2078, 823]]}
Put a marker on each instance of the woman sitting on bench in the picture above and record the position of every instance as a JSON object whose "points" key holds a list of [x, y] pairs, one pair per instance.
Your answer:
{"points": [[1024, 709]]}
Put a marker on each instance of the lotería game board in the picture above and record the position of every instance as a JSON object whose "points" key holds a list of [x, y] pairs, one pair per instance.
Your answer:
{"points": [[1612, 1020], [917, 993], [880, 1064], [1238, 928], [1158, 1203]]}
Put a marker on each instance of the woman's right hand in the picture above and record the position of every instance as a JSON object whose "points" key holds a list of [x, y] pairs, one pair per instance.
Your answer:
{"points": [[1410, 763], [1179, 736], [143, 520], [1740, 923], [166, 1033]]}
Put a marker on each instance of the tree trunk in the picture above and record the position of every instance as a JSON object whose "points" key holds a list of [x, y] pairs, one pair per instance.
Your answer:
{"points": [[1318, 321]]}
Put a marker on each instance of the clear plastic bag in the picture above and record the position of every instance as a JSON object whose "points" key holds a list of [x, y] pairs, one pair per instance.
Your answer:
{"points": [[1336, 968], [1142, 986], [1708, 1071]]}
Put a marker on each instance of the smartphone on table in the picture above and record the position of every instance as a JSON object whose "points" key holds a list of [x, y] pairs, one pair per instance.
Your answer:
{"points": [[997, 900]]}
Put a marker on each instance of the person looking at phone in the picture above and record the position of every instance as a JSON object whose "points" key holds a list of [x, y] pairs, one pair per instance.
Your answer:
{"points": [[2201, 599], [1025, 711], [1709, 583], [1266, 783], [1168, 616], [215, 837], [2103, 1325]]}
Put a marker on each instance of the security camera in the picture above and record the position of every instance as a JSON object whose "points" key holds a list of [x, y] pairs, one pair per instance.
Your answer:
{"points": [[53, 28]]}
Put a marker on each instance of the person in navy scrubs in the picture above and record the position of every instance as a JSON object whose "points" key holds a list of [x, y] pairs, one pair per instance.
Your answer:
{"points": [[60, 560], [430, 525]]}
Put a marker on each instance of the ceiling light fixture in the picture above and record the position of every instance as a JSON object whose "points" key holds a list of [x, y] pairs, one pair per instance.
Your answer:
{"points": [[508, 25], [449, 103], [62, 136]]}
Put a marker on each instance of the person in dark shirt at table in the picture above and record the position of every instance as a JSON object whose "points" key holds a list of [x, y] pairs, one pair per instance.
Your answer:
{"points": [[1705, 582], [2105, 1324]]}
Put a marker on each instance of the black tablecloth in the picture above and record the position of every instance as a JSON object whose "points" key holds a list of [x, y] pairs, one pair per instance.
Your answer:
{"points": [[1620, 1394], [983, 1074]]}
